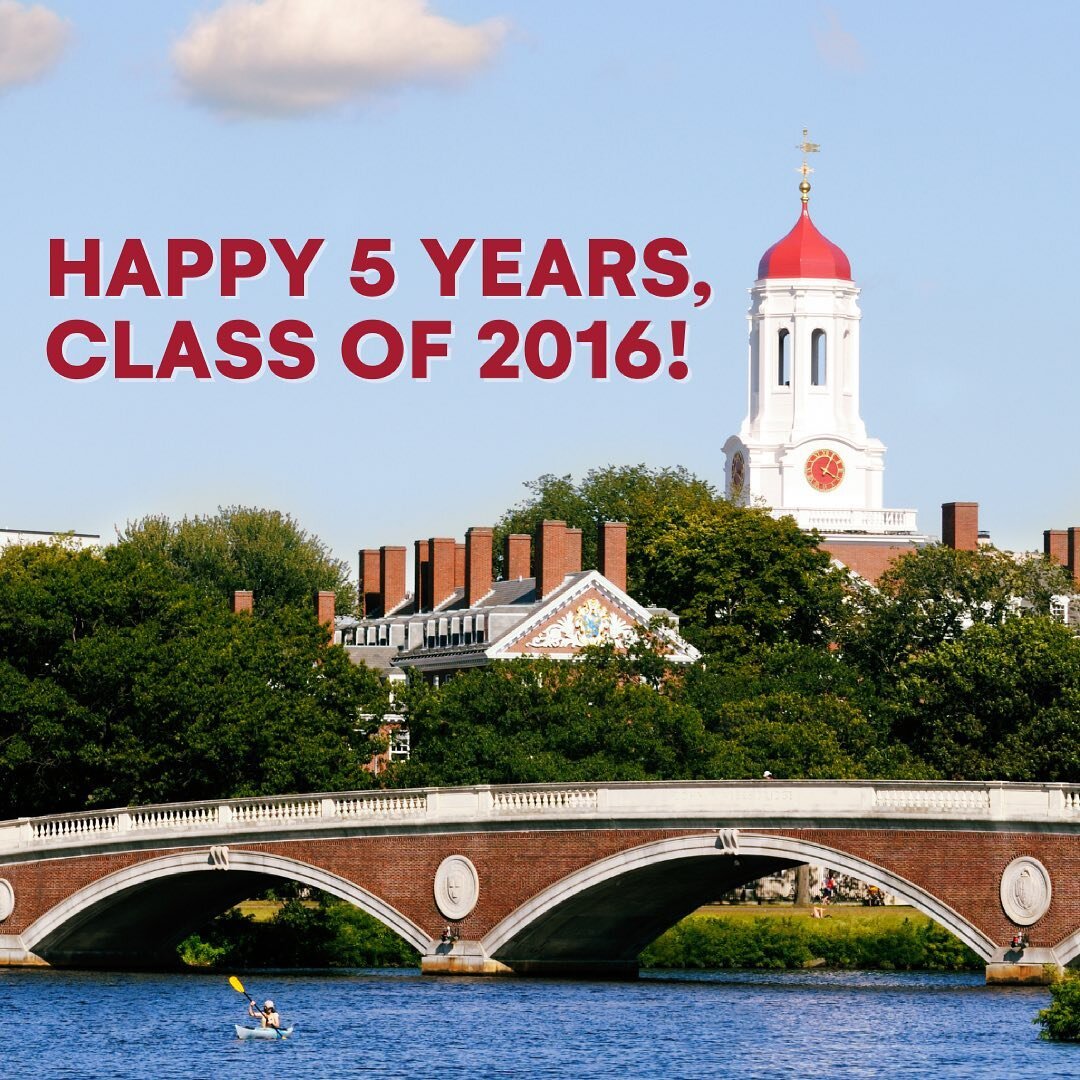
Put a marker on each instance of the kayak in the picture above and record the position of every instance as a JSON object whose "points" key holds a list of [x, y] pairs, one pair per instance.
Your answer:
{"points": [[262, 1033]]}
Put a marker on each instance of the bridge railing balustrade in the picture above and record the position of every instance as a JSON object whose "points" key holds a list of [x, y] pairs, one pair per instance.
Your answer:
{"points": [[530, 801], [274, 811], [380, 806], [940, 800], [213, 817], [184, 817], [728, 801], [73, 825]]}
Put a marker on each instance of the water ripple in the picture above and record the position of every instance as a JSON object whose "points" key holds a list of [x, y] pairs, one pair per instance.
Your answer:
{"points": [[78, 1026]]}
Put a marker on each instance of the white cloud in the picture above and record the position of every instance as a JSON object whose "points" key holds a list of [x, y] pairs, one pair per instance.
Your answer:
{"points": [[31, 41], [838, 48], [287, 56]]}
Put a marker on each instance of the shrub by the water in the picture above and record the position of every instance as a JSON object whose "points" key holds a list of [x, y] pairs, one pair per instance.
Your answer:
{"points": [[196, 953], [705, 942], [777, 943], [1060, 1020], [330, 933]]}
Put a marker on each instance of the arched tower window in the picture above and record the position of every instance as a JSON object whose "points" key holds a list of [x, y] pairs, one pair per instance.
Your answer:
{"points": [[817, 358], [783, 359]]}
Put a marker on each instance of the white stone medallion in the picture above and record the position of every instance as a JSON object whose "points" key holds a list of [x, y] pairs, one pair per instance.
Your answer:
{"points": [[7, 899], [457, 887], [1025, 890]]}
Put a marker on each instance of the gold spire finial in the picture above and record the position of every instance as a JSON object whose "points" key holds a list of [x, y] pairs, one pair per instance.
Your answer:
{"points": [[807, 147]]}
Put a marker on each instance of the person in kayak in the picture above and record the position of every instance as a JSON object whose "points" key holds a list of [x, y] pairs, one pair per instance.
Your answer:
{"points": [[267, 1015]]}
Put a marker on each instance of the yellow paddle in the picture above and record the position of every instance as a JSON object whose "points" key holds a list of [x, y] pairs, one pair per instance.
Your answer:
{"points": [[238, 986]]}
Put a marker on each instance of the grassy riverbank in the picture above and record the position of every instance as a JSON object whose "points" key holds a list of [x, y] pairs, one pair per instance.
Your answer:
{"points": [[329, 933], [786, 937]]}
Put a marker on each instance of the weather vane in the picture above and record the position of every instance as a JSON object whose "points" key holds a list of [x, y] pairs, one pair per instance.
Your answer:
{"points": [[807, 147]]}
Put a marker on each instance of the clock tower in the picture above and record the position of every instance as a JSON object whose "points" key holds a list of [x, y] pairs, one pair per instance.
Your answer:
{"points": [[803, 449]]}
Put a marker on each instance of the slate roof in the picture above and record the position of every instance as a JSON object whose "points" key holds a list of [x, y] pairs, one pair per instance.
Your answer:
{"points": [[377, 657]]}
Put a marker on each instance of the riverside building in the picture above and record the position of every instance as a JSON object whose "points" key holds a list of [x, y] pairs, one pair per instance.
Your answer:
{"points": [[458, 617]]}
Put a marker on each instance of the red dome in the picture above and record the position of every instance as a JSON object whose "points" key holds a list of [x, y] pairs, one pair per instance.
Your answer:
{"points": [[804, 253]]}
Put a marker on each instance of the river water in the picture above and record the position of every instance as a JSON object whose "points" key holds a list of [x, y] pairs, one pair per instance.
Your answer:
{"points": [[400, 1024]]}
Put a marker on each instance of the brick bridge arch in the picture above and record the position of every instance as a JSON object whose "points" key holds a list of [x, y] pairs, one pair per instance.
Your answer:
{"points": [[154, 904], [555, 923]]}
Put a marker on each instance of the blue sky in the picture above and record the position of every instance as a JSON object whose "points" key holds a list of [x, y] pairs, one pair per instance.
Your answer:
{"points": [[948, 171]]}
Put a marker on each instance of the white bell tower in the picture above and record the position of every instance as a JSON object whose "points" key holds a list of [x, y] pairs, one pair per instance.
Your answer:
{"points": [[803, 449]]}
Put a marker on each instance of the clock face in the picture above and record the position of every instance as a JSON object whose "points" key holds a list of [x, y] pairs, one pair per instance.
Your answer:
{"points": [[738, 472], [824, 470]]}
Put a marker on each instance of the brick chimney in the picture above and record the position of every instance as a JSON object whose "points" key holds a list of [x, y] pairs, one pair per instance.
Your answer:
{"points": [[611, 552], [518, 556], [370, 581], [243, 600], [324, 609], [1056, 546], [1073, 545], [572, 552], [550, 557], [443, 559], [960, 525], [422, 574], [459, 565], [392, 577], [478, 545]]}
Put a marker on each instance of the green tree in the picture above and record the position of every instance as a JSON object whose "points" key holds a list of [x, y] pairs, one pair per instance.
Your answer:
{"points": [[120, 682], [931, 596], [1060, 1020], [740, 579], [996, 702], [531, 721], [799, 737], [736, 577], [245, 548], [48, 601], [644, 497], [797, 710]]}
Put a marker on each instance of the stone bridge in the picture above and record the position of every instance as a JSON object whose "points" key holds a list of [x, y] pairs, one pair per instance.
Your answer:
{"points": [[547, 879]]}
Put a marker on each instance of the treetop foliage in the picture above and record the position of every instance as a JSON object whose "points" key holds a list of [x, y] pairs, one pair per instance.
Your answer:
{"points": [[934, 595], [739, 579], [644, 497], [244, 548], [125, 678], [949, 668], [736, 576]]}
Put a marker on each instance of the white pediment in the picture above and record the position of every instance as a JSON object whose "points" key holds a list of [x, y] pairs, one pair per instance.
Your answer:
{"points": [[586, 610]]}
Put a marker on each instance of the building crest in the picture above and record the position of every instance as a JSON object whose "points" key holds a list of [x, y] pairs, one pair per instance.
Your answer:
{"points": [[587, 610], [591, 623]]}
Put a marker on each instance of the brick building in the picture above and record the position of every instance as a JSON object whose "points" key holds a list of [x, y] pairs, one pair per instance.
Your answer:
{"points": [[1062, 546], [458, 617]]}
